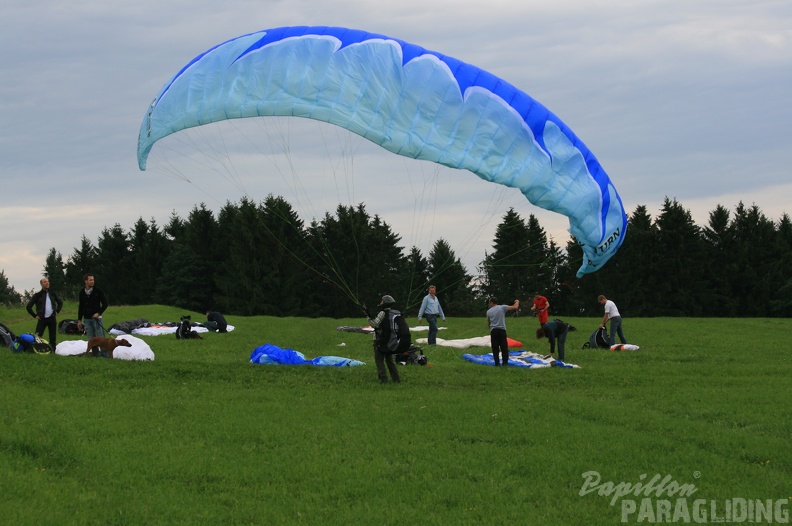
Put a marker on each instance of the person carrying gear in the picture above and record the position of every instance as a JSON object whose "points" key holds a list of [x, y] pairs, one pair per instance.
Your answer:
{"points": [[391, 336]]}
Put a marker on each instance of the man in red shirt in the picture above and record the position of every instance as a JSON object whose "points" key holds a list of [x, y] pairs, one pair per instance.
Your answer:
{"points": [[541, 306]]}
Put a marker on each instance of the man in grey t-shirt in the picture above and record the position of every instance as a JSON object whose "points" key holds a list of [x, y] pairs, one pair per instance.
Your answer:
{"points": [[496, 319]]}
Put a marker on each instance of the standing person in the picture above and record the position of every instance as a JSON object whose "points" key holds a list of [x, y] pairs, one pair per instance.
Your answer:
{"points": [[382, 331], [430, 306], [92, 304], [540, 307], [48, 305], [496, 319], [612, 314], [215, 321], [555, 330]]}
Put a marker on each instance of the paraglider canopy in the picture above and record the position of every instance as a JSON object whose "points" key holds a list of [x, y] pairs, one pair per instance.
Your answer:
{"points": [[410, 101]]}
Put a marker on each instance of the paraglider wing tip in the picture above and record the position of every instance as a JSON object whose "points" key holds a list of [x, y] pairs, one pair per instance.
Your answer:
{"points": [[591, 263], [142, 156]]}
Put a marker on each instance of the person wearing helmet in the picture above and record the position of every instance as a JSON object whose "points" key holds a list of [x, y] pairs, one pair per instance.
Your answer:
{"points": [[382, 359]]}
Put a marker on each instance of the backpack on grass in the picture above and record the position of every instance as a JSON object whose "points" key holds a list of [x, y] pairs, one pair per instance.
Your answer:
{"points": [[599, 339], [412, 356], [7, 336], [31, 343], [69, 327]]}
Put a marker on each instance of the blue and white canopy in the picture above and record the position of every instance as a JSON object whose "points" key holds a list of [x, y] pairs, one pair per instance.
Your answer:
{"points": [[407, 99]]}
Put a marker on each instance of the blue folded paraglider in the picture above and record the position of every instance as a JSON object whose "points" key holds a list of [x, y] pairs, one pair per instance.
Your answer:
{"points": [[409, 100], [524, 359], [269, 354]]}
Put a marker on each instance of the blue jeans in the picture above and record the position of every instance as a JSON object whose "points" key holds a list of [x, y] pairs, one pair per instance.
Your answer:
{"points": [[616, 328], [431, 319], [93, 327]]}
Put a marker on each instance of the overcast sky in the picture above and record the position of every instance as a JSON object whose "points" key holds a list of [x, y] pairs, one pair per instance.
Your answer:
{"points": [[682, 98]]}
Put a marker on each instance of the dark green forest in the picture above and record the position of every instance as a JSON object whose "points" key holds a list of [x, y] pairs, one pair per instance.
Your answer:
{"points": [[260, 258]]}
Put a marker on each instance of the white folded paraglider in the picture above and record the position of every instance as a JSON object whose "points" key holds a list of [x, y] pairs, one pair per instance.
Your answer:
{"points": [[139, 350]]}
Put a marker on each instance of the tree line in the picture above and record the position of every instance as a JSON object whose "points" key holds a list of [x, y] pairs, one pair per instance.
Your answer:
{"points": [[260, 258]]}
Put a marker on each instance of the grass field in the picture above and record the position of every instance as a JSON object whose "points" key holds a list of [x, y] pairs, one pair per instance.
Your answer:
{"points": [[201, 436]]}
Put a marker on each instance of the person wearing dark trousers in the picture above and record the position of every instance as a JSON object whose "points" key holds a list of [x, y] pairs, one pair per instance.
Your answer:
{"points": [[92, 303], [48, 304], [215, 321], [612, 315], [496, 320], [381, 336], [554, 331]]}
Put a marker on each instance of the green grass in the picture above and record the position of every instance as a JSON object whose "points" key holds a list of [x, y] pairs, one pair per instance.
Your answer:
{"points": [[201, 436]]}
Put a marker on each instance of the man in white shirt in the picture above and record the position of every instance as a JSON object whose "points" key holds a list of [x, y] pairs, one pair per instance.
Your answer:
{"points": [[48, 304], [612, 314]]}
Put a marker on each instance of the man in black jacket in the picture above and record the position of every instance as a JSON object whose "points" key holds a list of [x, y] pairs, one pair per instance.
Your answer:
{"points": [[92, 304], [215, 321], [48, 305]]}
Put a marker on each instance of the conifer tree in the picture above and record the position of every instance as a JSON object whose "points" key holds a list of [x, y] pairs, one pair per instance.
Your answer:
{"points": [[681, 264], [114, 266], [447, 273], [82, 261], [505, 270], [55, 271], [8, 294]]}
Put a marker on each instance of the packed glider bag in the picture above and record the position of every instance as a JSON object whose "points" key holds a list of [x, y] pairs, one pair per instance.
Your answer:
{"points": [[31, 343], [412, 356], [7, 336], [70, 327], [598, 339], [409, 100]]}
